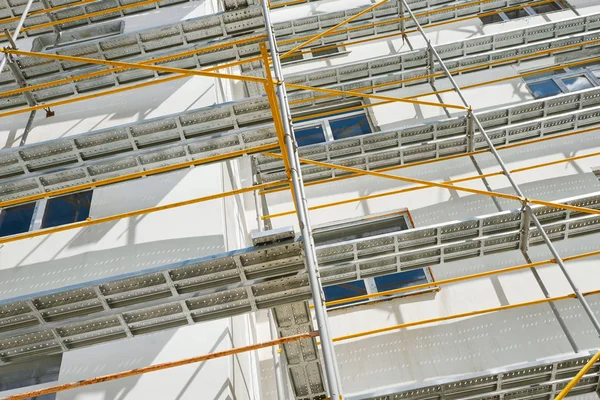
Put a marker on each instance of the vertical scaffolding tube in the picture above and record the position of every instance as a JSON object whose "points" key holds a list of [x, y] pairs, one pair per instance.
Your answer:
{"points": [[508, 175], [329, 360], [17, 31]]}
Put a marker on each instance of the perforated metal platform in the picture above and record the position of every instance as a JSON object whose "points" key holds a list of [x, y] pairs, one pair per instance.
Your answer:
{"points": [[539, 380], [302, 357], [131, 148], [363, 26], [471, 53], [256, 278], [156, 43], [446, 137], [14, 8]]}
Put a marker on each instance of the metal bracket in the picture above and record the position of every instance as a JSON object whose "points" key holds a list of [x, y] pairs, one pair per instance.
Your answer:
{"points": [[470, 131], [525, 223], [430, 62]]}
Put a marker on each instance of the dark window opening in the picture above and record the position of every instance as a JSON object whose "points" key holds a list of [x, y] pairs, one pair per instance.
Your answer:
{"points": [[350, 126], [364, 228], [29, 373], [16, 220], [345, 291], [67, 209], [311, 135]]}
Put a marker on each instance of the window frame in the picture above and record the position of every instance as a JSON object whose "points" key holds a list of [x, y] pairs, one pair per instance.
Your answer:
{"points": [[586, 70], [41, 208], [325, 124], [529, 10], [370, 282]]}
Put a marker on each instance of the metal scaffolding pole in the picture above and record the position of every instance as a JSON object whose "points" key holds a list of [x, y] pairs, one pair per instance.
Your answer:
{"points": [[17, 31], [329, 362], [508, 175]]}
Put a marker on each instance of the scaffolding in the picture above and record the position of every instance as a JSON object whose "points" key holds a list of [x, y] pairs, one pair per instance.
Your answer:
{"points": [[280, 162]]}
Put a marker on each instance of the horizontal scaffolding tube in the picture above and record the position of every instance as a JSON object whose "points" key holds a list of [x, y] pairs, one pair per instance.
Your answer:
{"points": [[563, 393], [149, 210], [446, 186], [84, 16], [159, 367], [128, 65], [135, 175], [460, 315], [49, 10], [433, 25], [445, 158], [312, 38], [153, 61], [460, 279], [416, 188], [473, 68]]}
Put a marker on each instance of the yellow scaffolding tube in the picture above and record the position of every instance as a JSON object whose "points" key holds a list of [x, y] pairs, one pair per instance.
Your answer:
{"points": [[128, 65], [461, 315], [84, 16], [135, 175], [578, 377], [159, 367], [149, 210], [460, 279], [417, 188], [48, 10], [153, 61], [446, 186]]}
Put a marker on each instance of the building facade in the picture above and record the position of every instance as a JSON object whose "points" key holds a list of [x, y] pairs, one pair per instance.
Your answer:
{"points": [[148, 213]]}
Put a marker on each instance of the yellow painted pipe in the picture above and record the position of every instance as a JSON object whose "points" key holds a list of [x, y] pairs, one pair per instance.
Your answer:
{"points": [[85, 16], [460, 315], [416, 188], [48, 10], [446, 186], [578, 377], [460, 279], [447, 158], [153, 61], [128, 65], [333, 28], [135, 175], [101, 220], [160, 367]]}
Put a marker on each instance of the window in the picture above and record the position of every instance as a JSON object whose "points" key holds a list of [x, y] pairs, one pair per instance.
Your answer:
{"points": [[564, 80], [29, 373], [16, 220], [67, 209], [332, 127], [521, 13], [316, 52], [362, 228]]}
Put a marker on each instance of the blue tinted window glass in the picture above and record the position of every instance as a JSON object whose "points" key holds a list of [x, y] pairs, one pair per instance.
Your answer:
{"points": [[544, 89], [312, 135], [350, 126], [16, 219], [67, 209], [345, 290], [576, 83], [400, 279]]}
